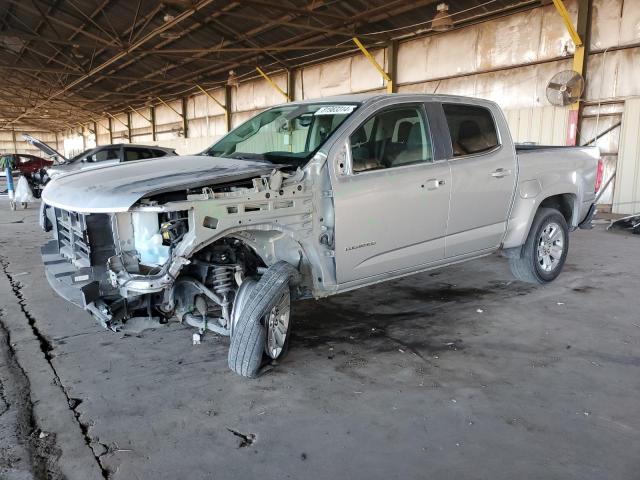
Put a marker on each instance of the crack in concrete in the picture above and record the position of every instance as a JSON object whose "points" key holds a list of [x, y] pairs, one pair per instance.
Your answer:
{"points": [[42, 451], [47, 348]]}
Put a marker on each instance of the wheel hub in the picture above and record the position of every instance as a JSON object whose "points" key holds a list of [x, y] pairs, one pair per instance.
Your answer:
{"points": [[550, 247], [277, 323]]}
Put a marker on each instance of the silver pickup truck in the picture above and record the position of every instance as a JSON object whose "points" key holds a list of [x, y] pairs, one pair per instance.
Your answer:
{"points": [[310, 199]]}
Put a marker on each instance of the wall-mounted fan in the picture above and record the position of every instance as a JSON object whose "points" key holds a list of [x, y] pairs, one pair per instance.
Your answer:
{"points": [[565, 88]]}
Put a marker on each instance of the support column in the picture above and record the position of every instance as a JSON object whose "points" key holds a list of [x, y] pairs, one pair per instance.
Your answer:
{"points": [[95, 133], [291, 85], [129, 127], [152, 113], [579, 37], [185, 122], [392, 66], [110, 130], [15, 144], [227, 103], [584, 30]]}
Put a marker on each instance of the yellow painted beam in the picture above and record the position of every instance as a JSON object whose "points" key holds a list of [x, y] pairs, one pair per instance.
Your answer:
{"points": [[373, 62], [564, 13], [169, 106], [272, 83], [578, 55]]}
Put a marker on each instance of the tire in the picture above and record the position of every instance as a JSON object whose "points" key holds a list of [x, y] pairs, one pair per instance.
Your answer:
{"points": [[249, 337], [530, 267]]}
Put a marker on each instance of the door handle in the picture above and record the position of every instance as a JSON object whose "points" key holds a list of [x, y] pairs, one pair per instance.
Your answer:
{"points": [[500, 173], [432, 183]]}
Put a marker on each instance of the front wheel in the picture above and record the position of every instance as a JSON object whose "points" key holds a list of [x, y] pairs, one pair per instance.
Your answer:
{"points": [[261, 321], [545, 251]]}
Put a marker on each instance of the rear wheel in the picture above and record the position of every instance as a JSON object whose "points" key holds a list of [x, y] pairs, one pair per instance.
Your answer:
{"points": [[545, 251], [261, 321]]}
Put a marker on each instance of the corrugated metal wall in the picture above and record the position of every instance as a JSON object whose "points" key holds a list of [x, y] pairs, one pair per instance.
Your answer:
{"points": [[626, 198], [542, 125], [8, 145]]}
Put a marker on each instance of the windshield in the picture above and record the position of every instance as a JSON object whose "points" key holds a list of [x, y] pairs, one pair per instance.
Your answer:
{"points": [[286, 134]]}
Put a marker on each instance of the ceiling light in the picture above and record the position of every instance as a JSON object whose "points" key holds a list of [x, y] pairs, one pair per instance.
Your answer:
{"points": [[232, 81], [168, 17], [442, 21]]}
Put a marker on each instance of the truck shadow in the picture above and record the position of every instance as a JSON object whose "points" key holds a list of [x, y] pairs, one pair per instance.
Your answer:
{"points": [[396, 315]]}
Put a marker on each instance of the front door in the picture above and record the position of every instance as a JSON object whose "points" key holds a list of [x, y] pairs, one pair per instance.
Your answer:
{"points": [[391, 198]]}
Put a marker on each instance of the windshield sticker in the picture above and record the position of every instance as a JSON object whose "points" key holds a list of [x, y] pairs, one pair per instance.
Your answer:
{"points": [[335, 110]]}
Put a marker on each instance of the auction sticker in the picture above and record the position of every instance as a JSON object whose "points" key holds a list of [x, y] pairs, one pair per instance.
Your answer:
{"points": [[335, 110]]}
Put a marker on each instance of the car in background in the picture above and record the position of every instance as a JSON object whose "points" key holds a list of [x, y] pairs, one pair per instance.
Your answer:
{"points": [[25, 164], [29, 166], [100, 156]]}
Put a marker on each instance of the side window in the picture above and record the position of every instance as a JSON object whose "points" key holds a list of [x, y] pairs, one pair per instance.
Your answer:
{"points": [[391, 138], [157, 153], [472, 129], [135, 154], [101, 155]]}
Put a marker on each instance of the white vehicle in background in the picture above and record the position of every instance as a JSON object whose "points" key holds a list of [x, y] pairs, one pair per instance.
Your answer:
{"points": [[310, 199], [101, 156]]}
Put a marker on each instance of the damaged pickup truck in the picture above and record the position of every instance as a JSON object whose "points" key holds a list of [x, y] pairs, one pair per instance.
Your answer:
{"points": [[311, 199]]}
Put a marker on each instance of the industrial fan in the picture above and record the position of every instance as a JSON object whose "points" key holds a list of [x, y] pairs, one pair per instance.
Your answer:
{"points": [[565, 88]]}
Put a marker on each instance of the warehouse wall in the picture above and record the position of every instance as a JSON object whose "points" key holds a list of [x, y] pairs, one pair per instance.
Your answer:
{"points": [[12, 142], [509, 60]]}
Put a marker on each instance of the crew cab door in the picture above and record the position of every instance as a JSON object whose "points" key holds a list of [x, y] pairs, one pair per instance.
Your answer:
{"points": [[483, 174], [391, 194]]}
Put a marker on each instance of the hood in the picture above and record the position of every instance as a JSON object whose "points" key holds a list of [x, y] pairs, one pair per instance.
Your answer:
{"points": [[117, 188], [65, 168], [43, 147]]}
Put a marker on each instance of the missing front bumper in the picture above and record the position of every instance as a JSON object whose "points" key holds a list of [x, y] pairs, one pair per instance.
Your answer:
{"points": [[76, 285]]}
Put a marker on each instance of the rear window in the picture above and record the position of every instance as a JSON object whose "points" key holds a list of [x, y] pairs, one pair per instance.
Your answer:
{"points": [[142, 153], [472, 129], [159, 153]]}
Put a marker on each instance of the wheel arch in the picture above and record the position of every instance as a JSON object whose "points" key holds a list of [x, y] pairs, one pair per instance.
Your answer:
{"points": [[525, 209], [272, 244]]}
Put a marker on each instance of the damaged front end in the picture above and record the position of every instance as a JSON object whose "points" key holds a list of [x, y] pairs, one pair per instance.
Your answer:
{"points": [[184, 254]]}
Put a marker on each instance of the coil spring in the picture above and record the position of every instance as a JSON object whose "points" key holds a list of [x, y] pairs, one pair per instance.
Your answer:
{"points": [[222, 279]]}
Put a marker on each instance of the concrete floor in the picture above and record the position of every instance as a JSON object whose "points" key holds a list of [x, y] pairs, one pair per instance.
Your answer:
{"points": [[459, 373]]}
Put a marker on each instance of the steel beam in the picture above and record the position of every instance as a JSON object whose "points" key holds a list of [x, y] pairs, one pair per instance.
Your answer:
{"points": [[372, 60], [169, 106], [144, 39], [272, 83], [578, 57], [139, 113]]}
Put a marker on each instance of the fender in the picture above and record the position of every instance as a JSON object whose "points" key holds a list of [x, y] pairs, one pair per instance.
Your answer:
{"points": [[527, 202]]}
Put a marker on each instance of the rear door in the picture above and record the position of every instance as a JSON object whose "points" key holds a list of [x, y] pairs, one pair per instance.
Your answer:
{"points": [[483, 174], [391, 199]]}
